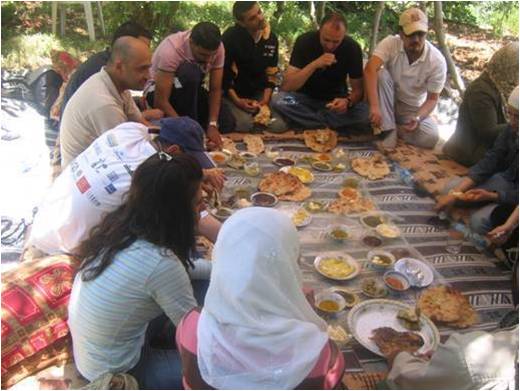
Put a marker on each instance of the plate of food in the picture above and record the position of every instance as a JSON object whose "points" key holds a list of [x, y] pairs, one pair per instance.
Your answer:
{"points": [[380, 260], [301, 218], [329, 301], [351, 298], [337, 267], [219, 157], [323, 157], [315, 206], [221, 213], [372, 219], [322, 166], [283, 161], [349, 194], [304, 175], [248, 155], [264, 199], [418, 272], [338, 232], [388, 231], [236, 161], [372, 287], [375, 325]]}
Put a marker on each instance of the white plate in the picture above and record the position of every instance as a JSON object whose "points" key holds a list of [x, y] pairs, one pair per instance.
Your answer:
{"points": [[373, 314], [405, 263], [305, 222], [346, 258]]}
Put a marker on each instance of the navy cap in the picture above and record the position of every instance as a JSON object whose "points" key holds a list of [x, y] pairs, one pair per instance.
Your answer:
{"points": [[189, 135]]}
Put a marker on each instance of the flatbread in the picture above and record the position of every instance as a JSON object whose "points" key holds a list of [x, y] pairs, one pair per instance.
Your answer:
{"points": [[443, 304], [286, 187], [254, 143], [320, 140], [263, 117], [300, 194], [230, 145], [390, 341], [373, 167], [343, 206]]}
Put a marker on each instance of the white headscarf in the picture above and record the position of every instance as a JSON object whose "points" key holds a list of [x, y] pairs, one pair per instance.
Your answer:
{"points": [[257, 330]]}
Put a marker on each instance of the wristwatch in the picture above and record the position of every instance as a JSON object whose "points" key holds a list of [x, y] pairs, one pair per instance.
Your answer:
{"points": [[213, 123], [418, 119]]}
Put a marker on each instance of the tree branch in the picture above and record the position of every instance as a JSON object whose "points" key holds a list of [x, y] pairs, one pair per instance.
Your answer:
{"points": [[375, 27]]}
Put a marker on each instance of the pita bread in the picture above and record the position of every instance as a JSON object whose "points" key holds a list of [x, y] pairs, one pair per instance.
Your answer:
{"points": [[373, 167], [286, 187], [447, 305], [320, 140], [230, 145], [344, 206], [254, 144], [300, 194], [263, 117]]}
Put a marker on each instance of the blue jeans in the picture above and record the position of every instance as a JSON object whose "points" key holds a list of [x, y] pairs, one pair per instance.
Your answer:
{"points": [[304, 112], [161, 369]]}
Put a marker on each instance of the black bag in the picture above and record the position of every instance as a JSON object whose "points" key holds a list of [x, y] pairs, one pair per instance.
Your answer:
{"points": [[44, 84]]}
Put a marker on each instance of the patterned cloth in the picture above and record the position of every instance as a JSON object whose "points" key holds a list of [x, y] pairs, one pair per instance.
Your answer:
{"points": [[480, 277]]}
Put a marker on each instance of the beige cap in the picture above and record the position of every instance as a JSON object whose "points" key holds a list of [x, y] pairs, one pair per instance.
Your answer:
{"points": [[412, 20], [513, 98]]}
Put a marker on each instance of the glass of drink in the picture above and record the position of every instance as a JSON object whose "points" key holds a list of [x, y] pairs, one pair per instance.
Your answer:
{"points": [[454, 241], [252, 168]]}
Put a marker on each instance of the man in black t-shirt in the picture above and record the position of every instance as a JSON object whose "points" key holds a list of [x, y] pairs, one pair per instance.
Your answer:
{"points": [[250, 67], [315, 86]]}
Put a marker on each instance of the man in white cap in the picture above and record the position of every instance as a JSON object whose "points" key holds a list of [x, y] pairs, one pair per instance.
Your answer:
{"points": [[493, 180], [405, 91]]}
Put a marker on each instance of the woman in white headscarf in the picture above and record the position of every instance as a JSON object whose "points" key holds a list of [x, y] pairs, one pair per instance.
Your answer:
{"points": [[257, 330]]}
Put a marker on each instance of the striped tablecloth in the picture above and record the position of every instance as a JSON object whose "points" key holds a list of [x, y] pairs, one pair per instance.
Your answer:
{"points": [[482, 278]]}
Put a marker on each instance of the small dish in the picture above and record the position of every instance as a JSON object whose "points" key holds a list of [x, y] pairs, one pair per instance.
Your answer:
{"points": [[349, 194], [236, 161], [418, 272], [248, 155], [315, 206], [301, 218], [284, 161], [304, 175], [338, 268], [371, 287], [323, 157], [372, 241], [219, 157], [222, 213], [388, 231], [372, 219], [322, 166], [329, 301], [396, 281], [380, 260], [264, 199], [339, 167], [351, 181], [338, 232], [350, 297]]}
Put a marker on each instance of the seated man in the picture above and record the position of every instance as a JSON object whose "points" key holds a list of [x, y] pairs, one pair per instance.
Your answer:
{"points": [[179, 66], [250, 67], [404, 93], [315, 84], [493, 180], [97, 61], [98, 179], [104, 100]]}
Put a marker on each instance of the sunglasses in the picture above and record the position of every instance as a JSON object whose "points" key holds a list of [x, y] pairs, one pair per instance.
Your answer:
{"points": [[417, 34]]}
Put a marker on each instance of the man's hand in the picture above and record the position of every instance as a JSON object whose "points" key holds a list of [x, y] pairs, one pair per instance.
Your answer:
{"points": [[500, 234], [153, 114], [248, 105], [325, 60], [375, 117], [215, 177], [214, 139], [338, 105], [444, 202], [477, 195]]}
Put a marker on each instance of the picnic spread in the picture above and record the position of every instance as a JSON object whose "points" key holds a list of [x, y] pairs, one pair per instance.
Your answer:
{"points": [[369, 264]]}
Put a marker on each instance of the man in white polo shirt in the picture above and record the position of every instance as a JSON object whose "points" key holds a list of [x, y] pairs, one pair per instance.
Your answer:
{"points": [[404, 93]]}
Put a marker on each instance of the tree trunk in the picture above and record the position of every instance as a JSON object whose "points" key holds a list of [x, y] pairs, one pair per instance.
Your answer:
{"points": [[441, 38], [375, 28], [317, 10]]}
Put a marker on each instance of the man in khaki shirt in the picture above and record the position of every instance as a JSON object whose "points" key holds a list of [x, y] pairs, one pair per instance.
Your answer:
{"points": [[104, 100]]}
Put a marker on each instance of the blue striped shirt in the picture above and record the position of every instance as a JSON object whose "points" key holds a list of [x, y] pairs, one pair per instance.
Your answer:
{"points": [[108, 316]]}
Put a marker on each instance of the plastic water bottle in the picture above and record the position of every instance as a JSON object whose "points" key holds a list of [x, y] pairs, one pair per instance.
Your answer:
{"points": [[405, 175]]}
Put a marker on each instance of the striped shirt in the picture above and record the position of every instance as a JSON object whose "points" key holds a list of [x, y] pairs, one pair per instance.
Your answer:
{"points": [[108, 316]]}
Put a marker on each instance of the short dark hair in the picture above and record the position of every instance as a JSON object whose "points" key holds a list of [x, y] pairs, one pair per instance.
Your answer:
{"points": [[335, 18], [131, 29], [241, 7], [206, 35]]}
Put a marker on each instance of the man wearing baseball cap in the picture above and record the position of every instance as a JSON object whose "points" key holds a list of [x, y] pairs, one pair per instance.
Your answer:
{"points": [[493, 181], [96, 181], [404, 78]]}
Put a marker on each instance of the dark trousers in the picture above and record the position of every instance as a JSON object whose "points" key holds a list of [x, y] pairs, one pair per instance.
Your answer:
{"points": [[304, 112], [192, 99], [160, 368]]}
